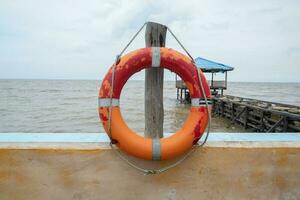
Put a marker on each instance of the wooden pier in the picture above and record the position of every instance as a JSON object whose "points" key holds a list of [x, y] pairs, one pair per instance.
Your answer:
{"points": [[260, 116], [183, 94], [208, 67], [252, 114]]}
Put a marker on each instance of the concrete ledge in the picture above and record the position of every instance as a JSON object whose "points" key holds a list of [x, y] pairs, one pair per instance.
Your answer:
{"points": [[252, 144], [209, 173], [90, 141], [55, 145], [75, 166]]}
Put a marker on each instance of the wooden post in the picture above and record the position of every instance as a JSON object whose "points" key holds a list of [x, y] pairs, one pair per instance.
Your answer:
{"points": [[223, 109], [226, 80], [262, 125], [212, 80], [246, 118], [181, 95], [155, 36]]}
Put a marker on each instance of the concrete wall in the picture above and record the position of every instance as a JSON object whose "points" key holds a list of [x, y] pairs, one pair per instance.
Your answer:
{"points": [[210, 173]]}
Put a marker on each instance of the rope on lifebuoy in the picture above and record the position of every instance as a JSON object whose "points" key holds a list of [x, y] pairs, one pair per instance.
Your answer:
{"points": [[112, 142]]}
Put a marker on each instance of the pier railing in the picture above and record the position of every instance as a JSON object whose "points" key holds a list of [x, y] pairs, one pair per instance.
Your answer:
{"points": [[261, 116]]}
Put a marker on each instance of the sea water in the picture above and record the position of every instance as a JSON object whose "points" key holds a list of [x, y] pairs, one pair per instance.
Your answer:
{"points": [[71, 105]]}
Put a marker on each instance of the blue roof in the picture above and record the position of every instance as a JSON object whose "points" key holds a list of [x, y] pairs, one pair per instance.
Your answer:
{"points": [[211, 66]]}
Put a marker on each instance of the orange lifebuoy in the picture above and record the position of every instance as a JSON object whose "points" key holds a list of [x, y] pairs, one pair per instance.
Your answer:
{"points": [[128, 140]]}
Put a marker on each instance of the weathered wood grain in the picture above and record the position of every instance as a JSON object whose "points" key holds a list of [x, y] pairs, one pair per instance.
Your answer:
{"points": [[155, 36]]}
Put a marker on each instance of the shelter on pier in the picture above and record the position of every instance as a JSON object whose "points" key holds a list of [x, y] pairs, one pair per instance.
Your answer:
{"points": [[207, 66]]}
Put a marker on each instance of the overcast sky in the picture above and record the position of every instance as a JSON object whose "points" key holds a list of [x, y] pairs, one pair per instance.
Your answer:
{"points": [[80, 39]]}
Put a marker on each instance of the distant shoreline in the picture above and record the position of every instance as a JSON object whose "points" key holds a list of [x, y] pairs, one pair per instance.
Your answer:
{"points": [[36, 79]]}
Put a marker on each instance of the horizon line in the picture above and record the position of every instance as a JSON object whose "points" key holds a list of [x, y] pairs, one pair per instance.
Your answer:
{"points": [[67, 79]]}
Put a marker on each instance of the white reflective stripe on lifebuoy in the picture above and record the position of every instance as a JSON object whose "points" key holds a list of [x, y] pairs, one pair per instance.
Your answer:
{"points": [[200, 102], [105, 102], [155, 56], [156, 152]]}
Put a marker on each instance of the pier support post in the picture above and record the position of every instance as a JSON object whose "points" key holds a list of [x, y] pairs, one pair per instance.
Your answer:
{"points": [[155, 36]]}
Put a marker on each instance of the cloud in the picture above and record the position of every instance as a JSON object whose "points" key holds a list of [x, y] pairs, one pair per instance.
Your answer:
{"points": [[79, 40], [293, 51]]}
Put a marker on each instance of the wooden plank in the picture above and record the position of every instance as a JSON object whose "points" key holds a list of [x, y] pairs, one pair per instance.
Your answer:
{"points": [[261, 118], [246, 117], [285, 124], [275, 125], [282, 113], [294, 128], [155, 36], [238, 115], [232, 111], [261, 121], [222, 108], [243, 99]]}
